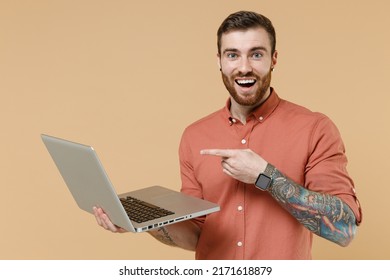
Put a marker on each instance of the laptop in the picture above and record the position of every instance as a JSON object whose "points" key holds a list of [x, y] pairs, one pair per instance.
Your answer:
{"points": [[155, 206]]}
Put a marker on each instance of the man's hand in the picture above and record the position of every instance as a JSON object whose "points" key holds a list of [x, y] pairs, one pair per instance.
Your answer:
{"points": [[104, 221], [243, 165], [184, 234]]}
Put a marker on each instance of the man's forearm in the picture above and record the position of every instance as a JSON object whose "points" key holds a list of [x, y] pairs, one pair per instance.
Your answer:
{"points": [[323, 214], [162, 235], [184, 235]]}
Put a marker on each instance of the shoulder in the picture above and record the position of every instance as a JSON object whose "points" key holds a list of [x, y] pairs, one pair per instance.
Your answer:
{"points": [[214, 119], [291, 113], [319, 128], [306, 121], [290, 108]]}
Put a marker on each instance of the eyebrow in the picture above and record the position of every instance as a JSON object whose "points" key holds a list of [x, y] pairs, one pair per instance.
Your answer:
{"points": [[259, 48]]}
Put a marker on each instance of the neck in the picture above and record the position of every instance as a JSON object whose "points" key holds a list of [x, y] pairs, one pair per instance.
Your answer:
{"points": [[241, 112]]}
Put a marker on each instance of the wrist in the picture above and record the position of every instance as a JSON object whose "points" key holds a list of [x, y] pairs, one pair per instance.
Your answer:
{"points": [[265, 178]]}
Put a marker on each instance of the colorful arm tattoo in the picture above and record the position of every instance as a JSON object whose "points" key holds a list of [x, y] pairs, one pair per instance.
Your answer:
{"points": [[323, 214]]}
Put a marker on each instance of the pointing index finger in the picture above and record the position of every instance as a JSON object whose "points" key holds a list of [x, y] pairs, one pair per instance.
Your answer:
{"points": [[217, 152]]}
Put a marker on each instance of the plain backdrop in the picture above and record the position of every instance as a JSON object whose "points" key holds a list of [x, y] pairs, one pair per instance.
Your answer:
{"points": [[128, 76]]}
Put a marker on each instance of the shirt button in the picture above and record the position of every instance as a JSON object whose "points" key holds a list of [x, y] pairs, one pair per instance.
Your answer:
{"points": [[239, 243], [243, 141], [261, 119], [239, 208]]}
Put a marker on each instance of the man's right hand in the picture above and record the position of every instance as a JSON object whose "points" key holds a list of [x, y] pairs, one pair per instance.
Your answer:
{"points": [[104, 221]]}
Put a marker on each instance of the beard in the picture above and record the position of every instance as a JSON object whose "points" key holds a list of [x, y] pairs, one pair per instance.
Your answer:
{"points": [[250, 99]]}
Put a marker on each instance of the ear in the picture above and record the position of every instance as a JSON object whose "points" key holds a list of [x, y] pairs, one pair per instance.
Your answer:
{"points": [[219, 61], [274, 59]]}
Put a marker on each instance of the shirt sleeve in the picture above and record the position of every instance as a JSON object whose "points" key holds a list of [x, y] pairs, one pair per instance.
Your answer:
{"points": [[326, 170], [190, 184]]}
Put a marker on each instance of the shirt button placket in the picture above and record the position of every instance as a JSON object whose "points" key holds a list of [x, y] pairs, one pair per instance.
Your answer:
{"points": [[240, 244]]}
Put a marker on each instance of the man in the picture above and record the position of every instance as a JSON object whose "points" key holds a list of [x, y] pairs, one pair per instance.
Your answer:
{"points": [[277, 169]]}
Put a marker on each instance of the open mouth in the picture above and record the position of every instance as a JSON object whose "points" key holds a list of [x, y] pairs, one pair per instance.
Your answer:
{"points": [[245, 82]]}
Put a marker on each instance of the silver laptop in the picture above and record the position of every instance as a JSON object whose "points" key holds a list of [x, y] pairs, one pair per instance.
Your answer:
{"points": [[135, 211]]}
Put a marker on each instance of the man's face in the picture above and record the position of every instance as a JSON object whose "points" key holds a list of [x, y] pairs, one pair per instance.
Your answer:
{"points": [[246, 63]]}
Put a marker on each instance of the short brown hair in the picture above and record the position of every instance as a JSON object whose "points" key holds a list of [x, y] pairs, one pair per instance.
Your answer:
{"points": [[244, 20]]}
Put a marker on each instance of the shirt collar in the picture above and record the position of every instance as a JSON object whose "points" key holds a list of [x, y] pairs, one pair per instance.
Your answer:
{"points": [[262, 112]]}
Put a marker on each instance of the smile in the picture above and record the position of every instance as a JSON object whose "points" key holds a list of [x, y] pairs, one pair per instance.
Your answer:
{"points": [[245, 82]]}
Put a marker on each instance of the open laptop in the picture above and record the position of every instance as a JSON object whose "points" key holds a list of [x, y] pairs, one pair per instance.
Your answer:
{"points": [[90, 186]]}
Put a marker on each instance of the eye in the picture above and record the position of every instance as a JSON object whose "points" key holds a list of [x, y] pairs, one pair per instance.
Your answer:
{"points": [[231, 55], [257, 55]]}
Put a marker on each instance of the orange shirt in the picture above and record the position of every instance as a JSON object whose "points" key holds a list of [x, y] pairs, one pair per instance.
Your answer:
{"points": [[304, 146]]}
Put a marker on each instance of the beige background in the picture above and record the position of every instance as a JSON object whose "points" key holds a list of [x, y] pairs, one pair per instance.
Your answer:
{"points": [[128, 76]]}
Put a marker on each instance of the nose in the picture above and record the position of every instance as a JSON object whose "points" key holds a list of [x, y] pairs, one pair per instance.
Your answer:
{"points": [[245, 66]]}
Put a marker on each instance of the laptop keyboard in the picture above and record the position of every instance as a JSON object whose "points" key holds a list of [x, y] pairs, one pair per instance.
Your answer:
{"points": [[141, 211]]}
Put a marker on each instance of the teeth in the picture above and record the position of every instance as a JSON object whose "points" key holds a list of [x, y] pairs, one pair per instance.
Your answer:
{"points": [[243, 82]]}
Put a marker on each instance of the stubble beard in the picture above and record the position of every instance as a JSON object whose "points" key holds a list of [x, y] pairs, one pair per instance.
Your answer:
{"points": [[250, 99]]}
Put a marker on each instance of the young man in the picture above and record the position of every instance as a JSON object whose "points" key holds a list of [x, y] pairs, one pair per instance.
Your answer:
{"points": [[277, 170]]}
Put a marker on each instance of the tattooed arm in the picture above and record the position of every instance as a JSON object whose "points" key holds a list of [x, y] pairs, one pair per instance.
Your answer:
{"points": [[184, 235], [323, 214]]}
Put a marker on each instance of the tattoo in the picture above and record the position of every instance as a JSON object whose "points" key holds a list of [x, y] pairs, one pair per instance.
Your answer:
{"points": [[323, 214], [164, 237]]}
